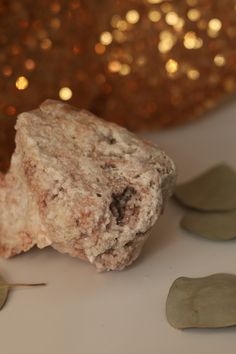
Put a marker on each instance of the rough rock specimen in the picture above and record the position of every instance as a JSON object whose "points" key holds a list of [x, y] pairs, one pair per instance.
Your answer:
{"points": [[81, 185]]}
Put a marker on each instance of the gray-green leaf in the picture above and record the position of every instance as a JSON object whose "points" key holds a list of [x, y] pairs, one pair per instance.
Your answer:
{"points": [[4, 291], [208, 302], [214, 226], [214, 190]]}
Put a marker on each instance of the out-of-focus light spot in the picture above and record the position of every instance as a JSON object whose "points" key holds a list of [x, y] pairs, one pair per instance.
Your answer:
{"points": [[122, 25], [106, 38], [191, 41], [167, 40], [229, 84], [65, 93], [7, 71], [154, 16], [171, 18], [15, 49], [141, 61], [115, 21], [193, 74], [192, 2], [29, 64], [212, 34], [55, 7], [41, 33], [132, 16], [125, 70], [171, 66], [76, 49], [119, 36], [99, 48], [219, 60], [114, 66], [46, 44], [154, 1], [165, 35], [55, 23], [193, 14], [166, 7], [22, 83], [10, 110], [179, 25], [215, 24], [165, 45]]}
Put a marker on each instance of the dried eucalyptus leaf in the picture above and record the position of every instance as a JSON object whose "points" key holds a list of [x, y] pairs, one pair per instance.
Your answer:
{"points": [[208, 302], [214, 226], [214, 190], [4, 291]]}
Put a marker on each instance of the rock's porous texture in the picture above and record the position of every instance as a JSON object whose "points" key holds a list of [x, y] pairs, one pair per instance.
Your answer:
{"points": [[83, 186]]}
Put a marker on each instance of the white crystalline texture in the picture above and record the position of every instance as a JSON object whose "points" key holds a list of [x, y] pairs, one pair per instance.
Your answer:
{"points": [[84, 186]]}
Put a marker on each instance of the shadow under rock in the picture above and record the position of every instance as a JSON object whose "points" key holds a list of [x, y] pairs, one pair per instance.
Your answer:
{"points": [[210, 331], [36, 253], [164, 231]]}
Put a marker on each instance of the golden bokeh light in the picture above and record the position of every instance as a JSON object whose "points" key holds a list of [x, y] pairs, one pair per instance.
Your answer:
{"points": [[215, 24], [99, 48], [65, 93], [154, 1], [172, 18], [191, 41], [166, 35], [141, 61], [115, 21], [122, 25], [30, 64], [192, 2], [55, 23], [104, 55], [179, 25], [154, 16], [172, 66], [119, 36], [212, 34], [193, 74], [167, 41], [125, 69], [166, 7], [106, 38], [165, 46], [46, 44], [219, 60], [7, 71], [22, 83], [193, 14], [132, 16], [114, 66]]}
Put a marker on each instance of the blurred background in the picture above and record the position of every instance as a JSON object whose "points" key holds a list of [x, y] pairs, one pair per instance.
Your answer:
{"points": [[145, 64]]}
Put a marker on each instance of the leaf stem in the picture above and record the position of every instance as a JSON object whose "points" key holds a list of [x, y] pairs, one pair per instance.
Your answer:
{"points": [[13, 285]]}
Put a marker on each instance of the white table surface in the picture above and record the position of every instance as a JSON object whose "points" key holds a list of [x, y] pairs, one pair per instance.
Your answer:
{"points": [[84, 312]]}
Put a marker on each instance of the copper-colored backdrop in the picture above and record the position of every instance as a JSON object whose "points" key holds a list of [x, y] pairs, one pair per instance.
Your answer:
{"points": [[141, 63]]}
